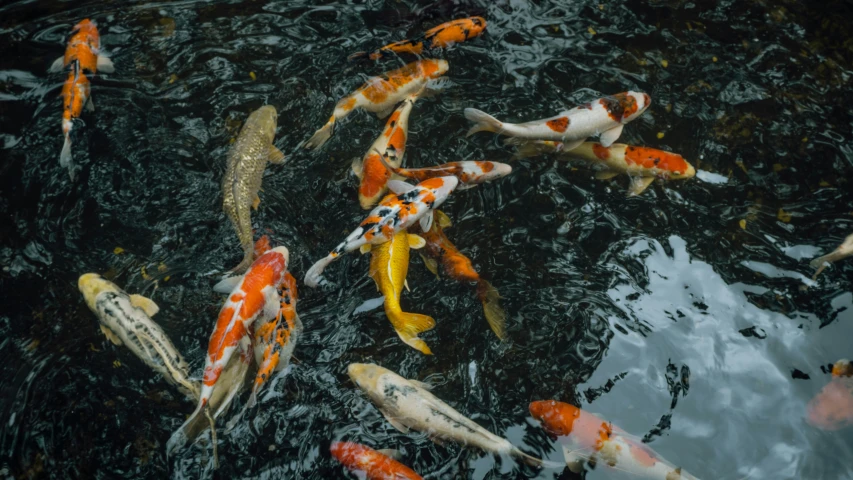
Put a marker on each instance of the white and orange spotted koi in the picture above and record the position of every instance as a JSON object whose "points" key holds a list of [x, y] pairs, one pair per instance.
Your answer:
{"points": [[605, 116], [381, 94], [469, 173], [395, 213]]}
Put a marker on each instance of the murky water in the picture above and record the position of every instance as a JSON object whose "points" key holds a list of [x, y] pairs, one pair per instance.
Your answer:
{"points": [[686, 315]]}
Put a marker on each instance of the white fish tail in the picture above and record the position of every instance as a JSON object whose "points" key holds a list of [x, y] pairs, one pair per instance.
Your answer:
{"points": [[821, 263], [315, 273], [321, 136], [533, 461], [189, 431], [65, 159], [483, 122]]}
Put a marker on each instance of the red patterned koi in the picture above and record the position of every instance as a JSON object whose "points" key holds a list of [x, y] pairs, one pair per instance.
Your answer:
{"points": [[375, 465], [442, 36], [469, 173]]}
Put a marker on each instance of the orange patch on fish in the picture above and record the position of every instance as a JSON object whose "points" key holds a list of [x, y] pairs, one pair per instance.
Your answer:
{"points": [[643, 455], [601, 152], [619, 106], [346, 104], [455, 31], [558, 124], [653, 158], [832, 408], [374, 176]]}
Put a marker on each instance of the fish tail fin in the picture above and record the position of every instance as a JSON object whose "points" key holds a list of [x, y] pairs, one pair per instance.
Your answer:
{"points": [[495, 314], [409, 325], [483, 122], [820, 263], [245, 263], [531, 460], [190, 430], [321, 136], [315, 274], [356, 56], [532, 148], [65, 159]]}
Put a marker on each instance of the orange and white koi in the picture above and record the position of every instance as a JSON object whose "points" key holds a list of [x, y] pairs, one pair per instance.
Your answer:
{"points": [[75, 94], [641, 164], [255, 296], [605, 116], [84, 47], [459, 267], [442, 36], [585, 437], [390, 146], [376, 465], [396, 212], [381, 94], [469, 173], [832, 408], [843, 251]]}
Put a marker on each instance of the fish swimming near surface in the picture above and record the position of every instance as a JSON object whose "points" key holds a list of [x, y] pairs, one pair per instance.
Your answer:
{"points": [[389, 264], [469, 173], [641, 164], [605, 117], [390, 148], [843, 251], [381, 94], [84, 48], [586, 438], [439, 37], [75, 95], [396, 212], [256, 295], [375, 465], [407, 404], [457, 266], [126, 320], [245, 170], [832, 408]]}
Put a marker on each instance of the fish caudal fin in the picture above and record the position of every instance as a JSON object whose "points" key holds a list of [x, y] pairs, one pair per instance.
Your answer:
{"points": [[315, 273], [197, 423], [65, 159], [409, 325], [531, 460], [483, 122], [321, 136], [495, 314], [821, 263]]}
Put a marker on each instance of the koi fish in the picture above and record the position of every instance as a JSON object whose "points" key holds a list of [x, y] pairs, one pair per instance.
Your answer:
{"points": [[407, 404], [390, 145], [381, 94], [442, 36], [641, 164], [126, 319], [84, 47], [458, 267], [843, 251], [396, 212], [587, 438], [244, 173], [832, 408], [606, 116], [376, 465], [469, 173], [255, 296], [75, 94], [389, 264]]}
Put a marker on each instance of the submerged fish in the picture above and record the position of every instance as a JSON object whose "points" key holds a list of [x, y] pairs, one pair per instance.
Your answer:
{"points": [[75, 95], [84, 47], [376, 465], [389, 147], [407, 405], [586, 438], [469, 173], [126, 319], [843, 251], [396, 212], [242, 180], [389, 264], [641, 164], [458, 267], [381, 94], [832, 408], [442, 36], [605, 116]]}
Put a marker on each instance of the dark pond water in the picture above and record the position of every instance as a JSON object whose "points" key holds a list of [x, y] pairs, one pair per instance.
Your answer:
{"points": [[686, 315]]}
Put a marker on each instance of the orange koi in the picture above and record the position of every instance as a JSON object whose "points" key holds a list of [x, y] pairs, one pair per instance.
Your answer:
{"points": [[442, 36], [376, 465], [381, 94], [469, 173], [585, 437], [832, 408], [75, 95], [84, 48]]}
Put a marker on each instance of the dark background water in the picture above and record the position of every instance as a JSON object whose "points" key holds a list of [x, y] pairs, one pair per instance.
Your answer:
{"points": [[683, 315]]}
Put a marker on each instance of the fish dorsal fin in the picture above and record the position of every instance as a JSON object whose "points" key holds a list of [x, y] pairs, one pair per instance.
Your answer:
{"points": [[275, 155], [426, 222], [396, 423], [227, 284], [358, 167], [443, 220], [105, 65], [419, 384], [605, 174], [146, 304], [366, 248], [416, 241], [110, 335], [391, 453], [398, 186], [639, 185], [607, 138], [272, 301]]}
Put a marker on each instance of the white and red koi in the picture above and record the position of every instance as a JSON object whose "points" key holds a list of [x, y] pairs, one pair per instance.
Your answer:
{"points": [[641, 164], [843, 251], [381, 94], [605, 116], [396, 212], [469, 173], [832, 408], [585, 437], [441, 36], [376, 465]]}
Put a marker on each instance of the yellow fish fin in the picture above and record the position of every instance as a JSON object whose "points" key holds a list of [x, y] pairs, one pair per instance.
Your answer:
{"points": [[275, 155], [110, 335], [605, 174], [443, 219], [431, 264], [416, 241], [495, 314], [365, 248], [409, 325], [256, 202], [146, 304]]}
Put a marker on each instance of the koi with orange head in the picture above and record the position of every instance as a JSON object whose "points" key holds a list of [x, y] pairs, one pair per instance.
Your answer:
{"points": [[586, 438], [381, 94], [832, 408], [375, 465], [443, 36], [469, 173], [84, 47], [641, 164]]}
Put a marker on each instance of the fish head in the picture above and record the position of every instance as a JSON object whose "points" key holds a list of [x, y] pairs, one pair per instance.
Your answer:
{"points": [[842, 368], [495, 170], [641, 101], [284, 253], [84, 25], [366, 375], [91, 285], [557, 417], [441, 67], [440, 187]]}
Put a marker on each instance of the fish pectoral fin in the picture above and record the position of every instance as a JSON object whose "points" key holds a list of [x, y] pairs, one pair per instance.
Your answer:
{"points": [[443, 220], [574, 460], [256, 202], [399, 186], [396, 423], [392, 453], [385, 112], [227, 284], [146, 304], [105, 65], [419, 384], [639, 185], [57, 65], [358, 167], [568, 146], [431, 264], [416, 241], [110, 335], [366, 248], [90, 106], [272, 302], [605, 174], [426, 222], [275, 155], [608, 137]]}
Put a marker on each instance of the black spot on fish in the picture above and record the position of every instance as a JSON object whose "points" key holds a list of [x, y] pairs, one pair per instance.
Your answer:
{"points": [[382, 212]]}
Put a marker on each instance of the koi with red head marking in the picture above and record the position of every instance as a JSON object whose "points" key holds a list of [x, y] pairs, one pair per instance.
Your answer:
{"points": [[641, 164], [832, 408], [442, 36], [84, 48], [375, 465], [394, 213], [469, 173], [381, 94], [389, 148], [605, 116], [585, 437]]}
